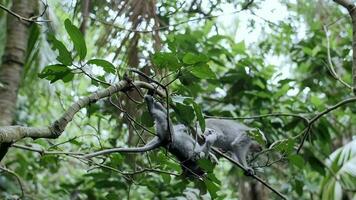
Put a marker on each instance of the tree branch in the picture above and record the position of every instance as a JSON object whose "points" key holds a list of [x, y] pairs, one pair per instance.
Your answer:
{"points": [[14, 133], [315, 118], [245, 170], [350, 6], [31, 19]]}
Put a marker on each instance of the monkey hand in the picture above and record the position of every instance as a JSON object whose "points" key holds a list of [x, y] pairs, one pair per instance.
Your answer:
{"points": [[210, 136], [249, 171], [148, 98]]}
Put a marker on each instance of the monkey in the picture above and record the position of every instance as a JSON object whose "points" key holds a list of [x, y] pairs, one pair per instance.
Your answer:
{"points": [[174, 138], [232, 138], [177, 140]]}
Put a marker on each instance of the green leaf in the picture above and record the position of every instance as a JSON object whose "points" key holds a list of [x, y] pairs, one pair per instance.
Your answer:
{"points": [[146, 119], [166, 178], [92, 108], [297, 160], [77, 38], [56, 72], [64, 56], [166, 60], [116, 159], [184, 113], [203, 71], [206, 164], [239, 48], [200, 117], [191, 58], [107, 66], [212, 187]]}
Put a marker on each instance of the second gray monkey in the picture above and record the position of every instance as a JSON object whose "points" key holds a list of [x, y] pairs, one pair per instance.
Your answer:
{"points": [[232, 138]]}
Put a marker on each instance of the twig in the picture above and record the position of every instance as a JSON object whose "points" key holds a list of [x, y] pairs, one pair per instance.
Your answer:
{"points": [[314, 119], [245, 7], [252, 175], [262, 116], [331, 66], [31, 19], [43, 152], [3, 168], [150, 170], [350, 6]]}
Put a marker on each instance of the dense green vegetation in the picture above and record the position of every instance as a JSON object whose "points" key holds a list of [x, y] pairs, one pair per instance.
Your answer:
{"points": [[282, 67]]}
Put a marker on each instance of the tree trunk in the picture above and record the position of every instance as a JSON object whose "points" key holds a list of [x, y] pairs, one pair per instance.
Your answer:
{"points": [[17, 33], [252, 190]]}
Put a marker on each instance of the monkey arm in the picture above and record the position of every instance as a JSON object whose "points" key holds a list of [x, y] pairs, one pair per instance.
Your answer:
{"points": [[153, 144]]}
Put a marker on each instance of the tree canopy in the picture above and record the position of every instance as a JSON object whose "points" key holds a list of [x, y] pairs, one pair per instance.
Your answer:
{"points": [[73, 76]]}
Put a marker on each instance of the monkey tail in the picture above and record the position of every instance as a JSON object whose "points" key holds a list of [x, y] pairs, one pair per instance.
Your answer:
{"points": [[153, 144]]}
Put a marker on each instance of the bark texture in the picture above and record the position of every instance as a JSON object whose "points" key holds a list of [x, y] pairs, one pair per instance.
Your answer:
{"points": [[17, 33]]}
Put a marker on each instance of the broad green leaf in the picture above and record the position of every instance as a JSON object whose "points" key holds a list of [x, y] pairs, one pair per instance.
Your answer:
{"points": [[166, 60], [212, 187], [203, 71], [77, 38], [206, 164], [56, 72], [342, 163], [184, 113], [146, 119], [107, 66], [63, 54], [297, 160], [191, 58]]}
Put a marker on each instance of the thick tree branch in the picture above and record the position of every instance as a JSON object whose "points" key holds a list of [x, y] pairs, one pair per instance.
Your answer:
{"points": [[350, 6], [14, 133]]}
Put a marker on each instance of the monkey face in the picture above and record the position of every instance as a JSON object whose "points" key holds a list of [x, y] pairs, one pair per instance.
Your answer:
{"points": [[210, 135], [255, 147]]}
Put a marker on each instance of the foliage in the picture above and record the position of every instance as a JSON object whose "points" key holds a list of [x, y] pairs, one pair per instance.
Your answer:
{"points": [[208, 72]]}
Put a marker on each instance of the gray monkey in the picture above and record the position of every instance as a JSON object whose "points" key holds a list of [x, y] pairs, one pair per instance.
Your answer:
{"points": [[232, 138], [181, 144]]}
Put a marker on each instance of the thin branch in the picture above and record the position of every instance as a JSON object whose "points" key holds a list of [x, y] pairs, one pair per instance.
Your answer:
{"points": [[154, 144], [43, 152], [331, 66], [150, 170], [3, 168], [162, 28], [263, 116], [31, 19], [314, 119], [350, 6], [252, 175]]}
